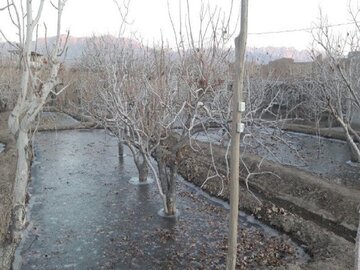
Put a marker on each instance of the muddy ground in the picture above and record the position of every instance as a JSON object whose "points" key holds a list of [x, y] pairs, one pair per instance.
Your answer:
{"points": [[315, 212], [321, 216], [7, 176]]}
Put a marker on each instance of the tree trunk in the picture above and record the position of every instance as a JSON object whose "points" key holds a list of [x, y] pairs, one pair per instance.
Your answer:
{"points": [[121, 149], [357, 249], [354, 148], [21, 180], [170, 204], [121, 152], [355, 151], [171, 194], [167, 176], [142, 166], [143, 172]]}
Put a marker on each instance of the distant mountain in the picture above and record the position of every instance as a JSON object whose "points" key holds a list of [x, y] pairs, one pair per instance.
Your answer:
{"points": [[264, 55], [76, 46]]}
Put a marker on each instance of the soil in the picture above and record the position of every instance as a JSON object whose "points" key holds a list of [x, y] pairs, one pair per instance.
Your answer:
{"points": [[7, 176], [321, 216], [326, 132], [57, 121]]}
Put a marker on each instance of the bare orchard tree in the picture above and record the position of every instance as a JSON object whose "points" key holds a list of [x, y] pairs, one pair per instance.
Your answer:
{"points": [[37, 81], [338, 84], [271, 104], [337, 77], [115, 97], [143, 95], [134, 97], [9, 75], [198, 78]]}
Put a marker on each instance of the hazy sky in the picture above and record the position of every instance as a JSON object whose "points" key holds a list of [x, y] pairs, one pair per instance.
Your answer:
{"points": [[150, 18]]}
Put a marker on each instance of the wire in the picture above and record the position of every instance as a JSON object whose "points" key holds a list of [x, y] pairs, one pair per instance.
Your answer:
{"points": [[299, 30]]}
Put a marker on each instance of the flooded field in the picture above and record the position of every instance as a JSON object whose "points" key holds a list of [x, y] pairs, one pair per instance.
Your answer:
{"points": [[84, 214], [322, 156]]}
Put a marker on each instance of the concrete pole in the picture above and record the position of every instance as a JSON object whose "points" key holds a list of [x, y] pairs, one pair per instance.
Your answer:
{"points": [[238, 107]]}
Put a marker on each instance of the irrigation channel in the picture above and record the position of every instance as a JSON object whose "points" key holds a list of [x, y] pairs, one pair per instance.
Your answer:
{"points": [[84, 214]]}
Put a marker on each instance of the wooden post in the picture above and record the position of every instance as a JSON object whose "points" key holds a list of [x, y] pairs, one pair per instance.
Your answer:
{"points": [[240, 46]]}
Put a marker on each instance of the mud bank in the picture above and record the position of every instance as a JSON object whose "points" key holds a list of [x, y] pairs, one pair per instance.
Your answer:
{"points": [[334, 133], [56, 121], [321, 216], [7, 176]]}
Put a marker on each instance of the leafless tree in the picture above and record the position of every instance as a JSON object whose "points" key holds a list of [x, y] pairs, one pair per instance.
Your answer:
{"points": [[37, 81], [337, 80], [132, 98], [9, 75], [143, 95], [118, 103]]}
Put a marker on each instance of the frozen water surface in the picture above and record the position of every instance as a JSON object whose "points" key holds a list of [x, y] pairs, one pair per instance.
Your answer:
{"points": [[322, 156], [84, 213]]}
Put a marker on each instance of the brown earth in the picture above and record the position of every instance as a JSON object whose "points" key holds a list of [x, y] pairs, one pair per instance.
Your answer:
{"points": [[7, 175], [334, 132], [321, 216]]}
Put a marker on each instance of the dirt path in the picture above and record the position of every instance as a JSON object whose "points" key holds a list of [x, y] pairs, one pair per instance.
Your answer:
{"points": [[85, 215]]}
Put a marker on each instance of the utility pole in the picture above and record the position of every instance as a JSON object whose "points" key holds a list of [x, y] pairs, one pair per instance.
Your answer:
{"points": [[237, 128]]}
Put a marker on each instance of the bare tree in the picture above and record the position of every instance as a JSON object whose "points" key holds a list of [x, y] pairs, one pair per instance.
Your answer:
{"points": [[131, 98], [337, 80], [37, 81], [119, 101], [9, 75], [143, 95]]}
